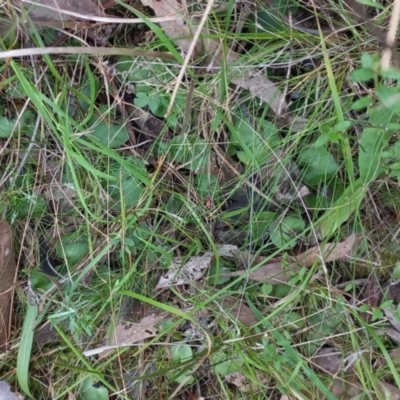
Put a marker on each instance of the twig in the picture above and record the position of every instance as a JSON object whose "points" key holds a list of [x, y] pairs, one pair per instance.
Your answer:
{"points": [[391, 35], [85, 50], [189, 55]]}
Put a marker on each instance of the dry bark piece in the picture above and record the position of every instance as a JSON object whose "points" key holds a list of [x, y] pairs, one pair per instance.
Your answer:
{"points": [[8, 275]]}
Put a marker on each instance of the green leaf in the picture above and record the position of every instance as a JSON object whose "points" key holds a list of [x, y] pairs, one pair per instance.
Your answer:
{"points": [[25, 348], [90, 392], [362, 103], [206, 184], [108, 133], [141, 100], [30, 205], [342, 126], [341, 210], [283, 234], [219, 279], [125, 193], [372, 142], [367, 61], [72, 247], [372, 3], [318, 165], [181, 352], [189, 150], [158, 104], [391, 73], [226, 364], [362, 75]]}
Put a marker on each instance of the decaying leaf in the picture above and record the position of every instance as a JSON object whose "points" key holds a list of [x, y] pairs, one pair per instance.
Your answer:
{"points": [[194, 269], [347, 386], [239, 310], [394, 321], [8, 274], [327, 359], [126, 334], [243, 384], [280, 269], [7, 394], [52, 10], [389, 392]]}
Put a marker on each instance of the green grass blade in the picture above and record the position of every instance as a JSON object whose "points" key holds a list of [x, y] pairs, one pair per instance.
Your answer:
{"points": [[25, 348]]}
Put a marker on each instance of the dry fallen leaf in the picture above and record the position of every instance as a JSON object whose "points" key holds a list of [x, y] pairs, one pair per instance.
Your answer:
{"points": [[279, 270], [347, 386], [327, 359], [8, 275], [125, 334], [194, 269], [239, 310], [389, 392], [243, 384], [52, 10]]}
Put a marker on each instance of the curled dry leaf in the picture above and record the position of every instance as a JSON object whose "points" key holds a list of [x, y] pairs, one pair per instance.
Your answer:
{"points": [[194, 269], [279, 269], [8, 275], [243, 384]]}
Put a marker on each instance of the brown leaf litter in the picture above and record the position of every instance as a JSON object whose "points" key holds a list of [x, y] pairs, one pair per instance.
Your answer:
{"points": [[280, 269], [125, 334], [8, 276]]}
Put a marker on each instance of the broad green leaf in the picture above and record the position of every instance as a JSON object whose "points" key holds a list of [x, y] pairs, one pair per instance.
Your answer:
{"points": [[31, 205], [190, 151], [108, 133], [286, 230], [362, 75], [367, 61], [158, 103], [389, 98], [125, 193], [25, 348], [372, 142], [318, 165], [225, 364], [141, 100], [90, 391], [220, 278], [206, 184], [362, 103], [72, 247], [341, 210], [181, 352]]}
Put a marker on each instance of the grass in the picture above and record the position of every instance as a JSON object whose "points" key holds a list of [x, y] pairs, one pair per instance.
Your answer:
{"points": [[116, 206]]}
